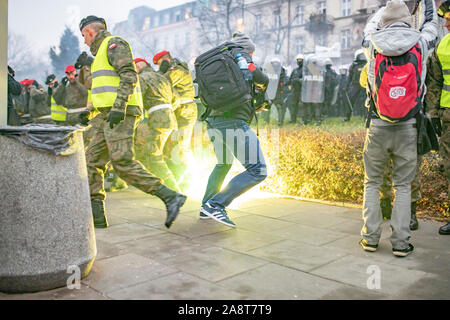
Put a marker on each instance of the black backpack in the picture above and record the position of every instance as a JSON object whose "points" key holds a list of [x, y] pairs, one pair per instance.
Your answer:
{"points": [[221, 83]]}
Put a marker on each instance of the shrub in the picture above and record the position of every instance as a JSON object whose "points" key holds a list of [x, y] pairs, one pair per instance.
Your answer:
{"points": [[321, 163]]}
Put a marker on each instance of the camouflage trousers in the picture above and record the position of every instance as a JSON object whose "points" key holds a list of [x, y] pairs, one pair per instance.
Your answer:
{"points": [[386, 186], [116, 146], [177, 150], [444, 143], [161, 124]]}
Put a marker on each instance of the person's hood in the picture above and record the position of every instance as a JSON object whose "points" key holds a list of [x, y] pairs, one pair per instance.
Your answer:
{"points": [[395, 40]]}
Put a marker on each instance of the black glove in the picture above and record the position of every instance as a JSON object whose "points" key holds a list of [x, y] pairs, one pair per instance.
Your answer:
{"points": [[115, 117], [83, 60], [84, 118], [64, 81], [11, 71], [165, 65], [437, 126]]}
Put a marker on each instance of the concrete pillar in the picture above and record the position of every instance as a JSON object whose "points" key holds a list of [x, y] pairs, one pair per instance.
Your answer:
{"points": [[3, 61], [47, 235], [46, 226]]}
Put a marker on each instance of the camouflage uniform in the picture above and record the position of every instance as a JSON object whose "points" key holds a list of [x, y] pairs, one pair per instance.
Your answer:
{"points": [[435, 82], [71, 96], [178, 146], [38, 105], [156, 92], [117, 144]]}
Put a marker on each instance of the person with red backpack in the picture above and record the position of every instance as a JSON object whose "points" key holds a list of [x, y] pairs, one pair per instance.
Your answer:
{"points": [[396, 71]]}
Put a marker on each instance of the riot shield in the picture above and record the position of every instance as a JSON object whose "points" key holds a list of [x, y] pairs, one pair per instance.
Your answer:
{"points": [[335, 95], [313, 84], [272, 69]]}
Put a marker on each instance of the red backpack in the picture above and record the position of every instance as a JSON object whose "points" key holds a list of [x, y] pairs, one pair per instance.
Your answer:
{"points": [[397, 92]]}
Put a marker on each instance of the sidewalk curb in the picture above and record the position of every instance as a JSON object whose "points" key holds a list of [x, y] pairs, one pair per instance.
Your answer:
{"points": [[327, 202]]}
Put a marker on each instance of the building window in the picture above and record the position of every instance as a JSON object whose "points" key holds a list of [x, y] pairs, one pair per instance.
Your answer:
{"points": [[276, 19], [156, 21], [322, 6], [188, 39], [345, 39], [146, 25], [258, 23], [178, 16], [187, 14], [300, 15], [166, 19], [321, 40], [299, 44], [346, 7]]}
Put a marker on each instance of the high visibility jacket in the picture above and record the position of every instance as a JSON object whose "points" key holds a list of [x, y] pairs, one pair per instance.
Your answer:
{"points": [[443, 53], [58, 113], [105, 81]]}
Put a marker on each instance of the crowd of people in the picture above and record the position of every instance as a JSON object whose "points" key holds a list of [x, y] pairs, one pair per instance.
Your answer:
{"points": [[398, 72]]}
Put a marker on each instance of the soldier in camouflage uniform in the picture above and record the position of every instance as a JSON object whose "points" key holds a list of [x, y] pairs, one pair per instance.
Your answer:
{"points": [[36, 103], [72, 95], [178, 146], [119, 104], [160, 101], [437, 106]]}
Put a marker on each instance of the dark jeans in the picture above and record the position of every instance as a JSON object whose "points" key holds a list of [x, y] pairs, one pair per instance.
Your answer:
{"points": [[233, 138]]}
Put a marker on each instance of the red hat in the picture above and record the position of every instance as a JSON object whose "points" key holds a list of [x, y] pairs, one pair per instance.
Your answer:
{"points": [[27, 82], [159, 55], [141, 60], [70, 68]]}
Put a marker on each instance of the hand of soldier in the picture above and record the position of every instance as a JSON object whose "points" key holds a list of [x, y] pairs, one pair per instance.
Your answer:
{"points": [[437, 126], [84, 118], [115, 117], [64, 81]]}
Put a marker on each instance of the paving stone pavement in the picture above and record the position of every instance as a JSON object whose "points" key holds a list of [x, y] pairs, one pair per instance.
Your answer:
{"points": [[281, 249]]}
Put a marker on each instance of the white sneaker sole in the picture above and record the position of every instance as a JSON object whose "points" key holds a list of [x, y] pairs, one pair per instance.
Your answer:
{"points": [[401, 254], [216, 219], [369, 249]]}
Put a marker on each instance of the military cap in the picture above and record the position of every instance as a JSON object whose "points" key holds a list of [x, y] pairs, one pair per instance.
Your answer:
{"points": [[159, 55], [50, 78], [90, 19]]}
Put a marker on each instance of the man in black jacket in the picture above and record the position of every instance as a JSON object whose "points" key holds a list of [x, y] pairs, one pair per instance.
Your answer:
{"points": [[14, 88], [231, 135]]}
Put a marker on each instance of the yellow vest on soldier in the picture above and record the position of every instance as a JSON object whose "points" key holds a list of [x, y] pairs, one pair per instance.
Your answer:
{"points": [[105, 81], [443, 53], [58, 113]]}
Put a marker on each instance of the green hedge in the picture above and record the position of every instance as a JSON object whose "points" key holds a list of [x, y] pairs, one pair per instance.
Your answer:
{"points": [[325, 163]]}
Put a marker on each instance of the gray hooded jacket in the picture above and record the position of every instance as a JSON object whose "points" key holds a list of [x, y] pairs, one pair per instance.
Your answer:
{"points": [[398, 39]]}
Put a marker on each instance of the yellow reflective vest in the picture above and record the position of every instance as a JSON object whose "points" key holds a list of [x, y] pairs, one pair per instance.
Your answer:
{"points": [[58, 113], [105, 81], [443, 53]]}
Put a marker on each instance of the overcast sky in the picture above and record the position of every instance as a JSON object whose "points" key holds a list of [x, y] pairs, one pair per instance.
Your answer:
{"points": [[43, 21]]}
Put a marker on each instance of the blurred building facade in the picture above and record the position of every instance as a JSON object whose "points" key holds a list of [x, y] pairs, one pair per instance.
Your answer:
{"points": [[284, 27]]}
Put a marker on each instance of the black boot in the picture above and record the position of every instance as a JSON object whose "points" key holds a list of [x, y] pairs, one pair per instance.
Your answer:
{"points": [[173, 201], [445, 229], [386, 208], [413, 224], [98, 213]]}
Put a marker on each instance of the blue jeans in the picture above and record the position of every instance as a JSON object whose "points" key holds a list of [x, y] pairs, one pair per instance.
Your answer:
{"points": [[233, 138]]}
